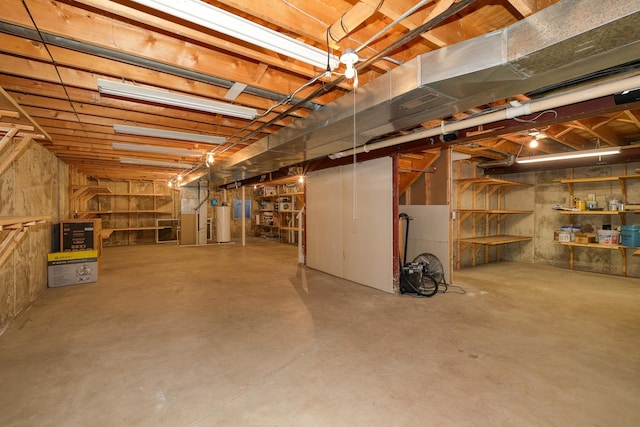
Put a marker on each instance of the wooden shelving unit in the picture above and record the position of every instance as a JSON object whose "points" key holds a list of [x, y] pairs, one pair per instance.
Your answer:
{"points": [[86, 198], [622, 180], [622, 249], [282, 201], [487, 221]]}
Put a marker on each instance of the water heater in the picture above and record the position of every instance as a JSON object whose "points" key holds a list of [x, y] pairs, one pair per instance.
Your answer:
{"points": [[223, 223]]}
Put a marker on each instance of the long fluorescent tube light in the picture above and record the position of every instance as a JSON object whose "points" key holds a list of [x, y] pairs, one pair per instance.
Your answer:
{"points": [[157, 163], [140, 148], [571, 155], [160, 96], [168, 134], [220, 20]]}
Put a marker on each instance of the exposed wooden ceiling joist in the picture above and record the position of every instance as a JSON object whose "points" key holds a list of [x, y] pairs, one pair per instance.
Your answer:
{"points": [[56, 82]]}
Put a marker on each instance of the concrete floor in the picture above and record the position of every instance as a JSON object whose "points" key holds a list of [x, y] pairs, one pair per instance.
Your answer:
{"points": [[232, 336]]}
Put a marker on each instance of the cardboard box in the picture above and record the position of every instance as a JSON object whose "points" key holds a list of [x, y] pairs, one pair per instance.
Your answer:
{"points": [[586, 237], [72, 268]]}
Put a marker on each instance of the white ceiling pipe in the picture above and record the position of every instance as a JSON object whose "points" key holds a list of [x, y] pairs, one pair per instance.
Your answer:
{"points": [[572, 97]]}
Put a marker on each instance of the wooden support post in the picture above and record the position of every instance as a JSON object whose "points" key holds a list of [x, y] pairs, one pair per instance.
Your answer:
{"points": [[571, 257], [623, 252]]}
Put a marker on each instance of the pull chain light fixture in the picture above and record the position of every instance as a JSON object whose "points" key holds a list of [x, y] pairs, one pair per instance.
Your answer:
{"points": [[349, 58], [210, 159]]}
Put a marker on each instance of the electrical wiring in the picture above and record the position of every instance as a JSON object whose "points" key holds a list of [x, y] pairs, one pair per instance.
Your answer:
{"points": [[542, 113], [332, 84]]}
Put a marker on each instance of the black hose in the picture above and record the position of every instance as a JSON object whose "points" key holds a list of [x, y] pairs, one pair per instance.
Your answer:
{"points": [[406, 236]]}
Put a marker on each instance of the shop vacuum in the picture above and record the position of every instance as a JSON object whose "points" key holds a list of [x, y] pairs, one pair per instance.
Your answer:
{"points": [[424, 275]]}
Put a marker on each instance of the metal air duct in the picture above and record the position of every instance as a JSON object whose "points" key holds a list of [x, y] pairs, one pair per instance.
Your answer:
{"points": [[567, 40]]}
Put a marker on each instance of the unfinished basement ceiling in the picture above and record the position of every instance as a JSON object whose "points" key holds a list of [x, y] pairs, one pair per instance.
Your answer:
{"points": [[53, 54]]}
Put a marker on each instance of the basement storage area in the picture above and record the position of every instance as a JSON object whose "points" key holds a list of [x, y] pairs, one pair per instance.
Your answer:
{"points": [[299, 214]]}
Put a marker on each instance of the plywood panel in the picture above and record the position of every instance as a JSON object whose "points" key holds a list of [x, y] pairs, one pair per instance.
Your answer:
{"points": [[324, 221], [188, 223], [368, 235], [356, 244]]}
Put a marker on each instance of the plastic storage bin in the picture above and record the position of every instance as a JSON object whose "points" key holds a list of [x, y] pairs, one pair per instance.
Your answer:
{"points": [[631, 235], [608, 237]]}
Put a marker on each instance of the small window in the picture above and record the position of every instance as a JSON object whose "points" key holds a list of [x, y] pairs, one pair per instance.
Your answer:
{"points": [[237, 209]]}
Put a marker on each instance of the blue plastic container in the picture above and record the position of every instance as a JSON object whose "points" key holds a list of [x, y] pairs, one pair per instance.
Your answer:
{"points": [[631, 235]]}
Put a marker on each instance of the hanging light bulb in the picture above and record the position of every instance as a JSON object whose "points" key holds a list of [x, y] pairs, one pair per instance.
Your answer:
{"points": [[179, 178], [210, 159], [301, 179], [169, 183], [533, 143], [349, 58], [350, 72]]}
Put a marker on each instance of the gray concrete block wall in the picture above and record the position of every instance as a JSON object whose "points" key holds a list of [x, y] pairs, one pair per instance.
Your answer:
{"points": [[37, 183], [541, 198]]}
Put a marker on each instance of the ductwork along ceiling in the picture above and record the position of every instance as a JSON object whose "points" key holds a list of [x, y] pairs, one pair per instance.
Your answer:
{"points": [[427, 69]]}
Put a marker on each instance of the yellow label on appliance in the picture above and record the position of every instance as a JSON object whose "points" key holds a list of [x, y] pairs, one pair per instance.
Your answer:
{"points": [[66, 256]]}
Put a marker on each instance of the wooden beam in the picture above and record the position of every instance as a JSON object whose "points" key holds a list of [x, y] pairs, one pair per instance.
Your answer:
{"points": [[604, 133], [7, 137], [22, 113], [10, 114], [352, 19], [110, 31], [633, 118]]}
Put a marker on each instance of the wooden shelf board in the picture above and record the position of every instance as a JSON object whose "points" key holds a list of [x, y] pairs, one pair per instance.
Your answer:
{"points": [[18, 222], [593, 212], [121, 212], [625, 177], [593, 245], [90, 187], [111, 230], [495, 211], [290, 228], [492, 181], [134, 194], [579, 180], [495, 240], [596, 179]]}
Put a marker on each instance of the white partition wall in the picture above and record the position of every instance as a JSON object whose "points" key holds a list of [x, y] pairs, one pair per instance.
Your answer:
{"points": [[350, 233], [428, 233]]}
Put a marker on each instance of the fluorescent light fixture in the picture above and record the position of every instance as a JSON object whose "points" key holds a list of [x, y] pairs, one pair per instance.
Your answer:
{"points": [[155, 149], [156, 163], [169, 134], [201, 13], [160, 96], [234, 91], [570, 155]]}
